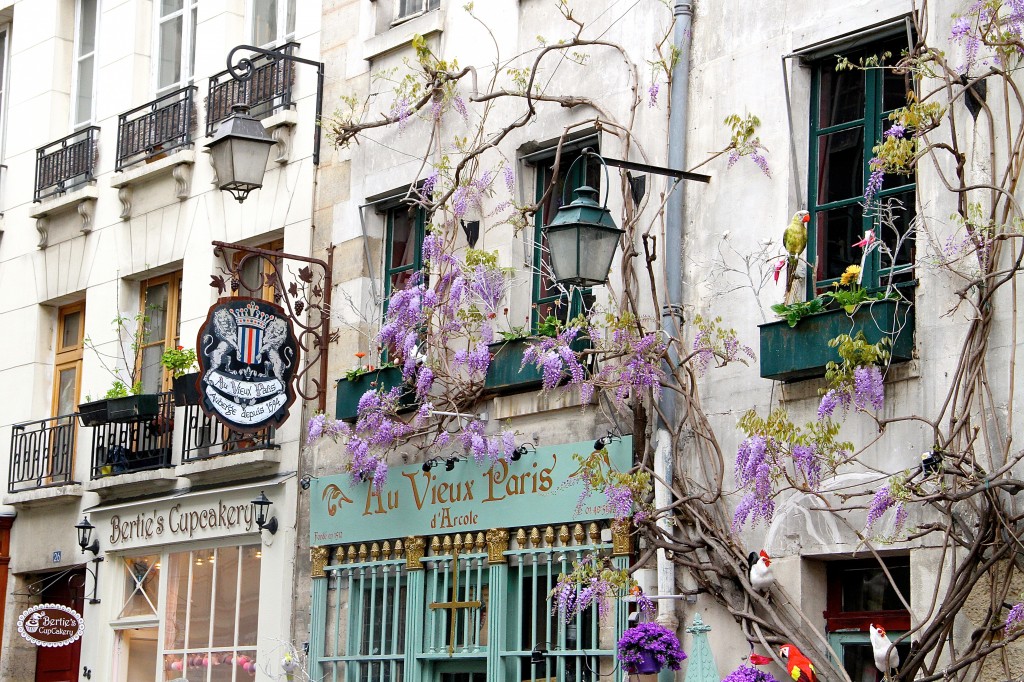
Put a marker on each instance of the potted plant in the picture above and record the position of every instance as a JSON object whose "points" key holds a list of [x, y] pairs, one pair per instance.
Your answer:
{"points": [[646, 648], [181, 362], [124, 401], [796, 346], [358, 380]]}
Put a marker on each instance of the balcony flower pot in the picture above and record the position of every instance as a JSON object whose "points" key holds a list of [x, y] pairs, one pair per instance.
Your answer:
{"points": [[802, 352], [507, 374], [93, 413], [186, 389], [132, 408], [351, 390]]}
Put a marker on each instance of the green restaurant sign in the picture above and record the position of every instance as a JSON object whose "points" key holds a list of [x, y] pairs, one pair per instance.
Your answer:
{"points": [[538, 489]]}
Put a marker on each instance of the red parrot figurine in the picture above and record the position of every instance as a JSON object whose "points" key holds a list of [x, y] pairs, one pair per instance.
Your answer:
{"points": [[798, 666]]}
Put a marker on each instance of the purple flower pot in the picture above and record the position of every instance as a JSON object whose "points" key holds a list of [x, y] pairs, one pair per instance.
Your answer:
{"points": [[648, 665]]}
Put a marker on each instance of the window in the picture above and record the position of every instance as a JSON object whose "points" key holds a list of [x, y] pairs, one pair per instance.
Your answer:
{"points": [[273, 22], [67, 371], [161, 304], [860, 594], [410, 8], [257, 276], [189, 615], [849, 113], [176, 44], [406, 228], [548, 297], [86, 21]]}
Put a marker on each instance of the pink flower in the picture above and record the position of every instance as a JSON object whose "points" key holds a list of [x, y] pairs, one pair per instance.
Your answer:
{"points": [[869, 239], [778, 268]]}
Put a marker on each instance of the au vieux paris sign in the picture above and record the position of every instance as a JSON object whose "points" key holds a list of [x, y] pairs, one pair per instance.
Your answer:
{"points": [[538, 489]]}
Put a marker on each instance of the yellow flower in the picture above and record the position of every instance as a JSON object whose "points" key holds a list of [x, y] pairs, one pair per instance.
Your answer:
{"points": [[851, 275]]}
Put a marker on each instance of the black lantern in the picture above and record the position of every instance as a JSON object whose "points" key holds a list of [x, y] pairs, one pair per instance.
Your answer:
{"points": [[85, 530], [259, 509], [538, 654], [582, 237], [239, 150]]}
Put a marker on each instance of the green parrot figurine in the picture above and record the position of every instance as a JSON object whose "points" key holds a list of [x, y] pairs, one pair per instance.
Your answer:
{"points": [[795, 241]]}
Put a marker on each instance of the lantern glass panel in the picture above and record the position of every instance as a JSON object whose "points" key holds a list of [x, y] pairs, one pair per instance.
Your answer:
{"points": [[243, 160], [597, 248], [563, 245]]}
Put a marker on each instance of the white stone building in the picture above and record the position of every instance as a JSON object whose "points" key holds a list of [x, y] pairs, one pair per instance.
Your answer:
{"points": [[110, 209]]}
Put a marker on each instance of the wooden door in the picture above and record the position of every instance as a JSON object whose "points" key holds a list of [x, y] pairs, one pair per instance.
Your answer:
{"points": [[61, 664]]}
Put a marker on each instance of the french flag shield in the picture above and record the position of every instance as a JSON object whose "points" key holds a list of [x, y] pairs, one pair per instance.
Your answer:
{"points": [[250, 342]]}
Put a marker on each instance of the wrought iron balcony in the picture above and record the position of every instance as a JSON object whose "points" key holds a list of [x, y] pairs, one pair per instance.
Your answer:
{"points": [[66, 163], [156, 128], [267, 92], [128, 447], [206, 437], [42, 454]]}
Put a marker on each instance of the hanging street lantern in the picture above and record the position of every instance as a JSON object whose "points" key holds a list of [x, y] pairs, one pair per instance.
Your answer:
{"points": [[582, 237], [239, 150]]}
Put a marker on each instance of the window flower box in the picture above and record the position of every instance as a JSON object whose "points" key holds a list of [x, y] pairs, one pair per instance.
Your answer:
{"points": [[132, 408], [351, 390], [506, 373], [802, 352], [93, 413], [186, 389]]}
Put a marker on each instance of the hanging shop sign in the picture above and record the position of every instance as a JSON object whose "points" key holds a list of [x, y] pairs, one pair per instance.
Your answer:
{"points": [[247, 357], [50, 625], [540, 488]]}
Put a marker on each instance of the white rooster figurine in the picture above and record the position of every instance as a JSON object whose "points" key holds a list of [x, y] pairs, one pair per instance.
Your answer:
{"points": [[760, 572], [886, 657]]}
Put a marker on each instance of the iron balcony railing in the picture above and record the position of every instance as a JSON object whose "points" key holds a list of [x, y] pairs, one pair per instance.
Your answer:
{"points": [[128, 447], [156, 128], [66, 163], [42, 454], [206, 437], [267, 92]]}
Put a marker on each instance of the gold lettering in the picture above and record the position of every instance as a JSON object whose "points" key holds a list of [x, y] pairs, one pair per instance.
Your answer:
{"points": [[418, 499], [496, 475]]}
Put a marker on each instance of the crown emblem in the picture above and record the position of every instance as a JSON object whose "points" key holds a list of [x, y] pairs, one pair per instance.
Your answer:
{"points": [[252, 316]]}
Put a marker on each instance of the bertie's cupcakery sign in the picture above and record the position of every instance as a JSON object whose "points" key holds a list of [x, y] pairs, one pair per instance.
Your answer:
{"points": [[50, 625], [247, 358]]}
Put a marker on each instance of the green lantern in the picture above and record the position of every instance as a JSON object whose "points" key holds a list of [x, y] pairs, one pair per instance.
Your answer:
{"points": [[583, 237]]}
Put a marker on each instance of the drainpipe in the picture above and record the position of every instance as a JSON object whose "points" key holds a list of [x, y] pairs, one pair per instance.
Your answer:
{"points": [[671, 314]]}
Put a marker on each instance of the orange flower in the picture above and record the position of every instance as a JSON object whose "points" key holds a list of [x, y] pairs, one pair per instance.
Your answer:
{"points": [[360, 355]]}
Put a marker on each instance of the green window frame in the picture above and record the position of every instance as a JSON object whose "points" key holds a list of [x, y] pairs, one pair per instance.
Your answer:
{"points": [[848, 115], [403, 252], [547, 298]]}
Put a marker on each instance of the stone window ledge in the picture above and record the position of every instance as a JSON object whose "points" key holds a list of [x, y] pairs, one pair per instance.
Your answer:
{"points": [[42, 497], [179, 165], [532, 402], [402, 34], [230, 466], [82, 199], [132, 483]]}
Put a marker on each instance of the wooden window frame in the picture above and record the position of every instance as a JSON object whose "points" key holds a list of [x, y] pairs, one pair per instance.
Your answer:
{"points": [[874, 121], [420, 233], [70, 356], [172, 323], [266, 292], [577, 295]]}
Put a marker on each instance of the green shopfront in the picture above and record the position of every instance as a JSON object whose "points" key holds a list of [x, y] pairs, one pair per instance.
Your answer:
{"points": [[444, 576]]}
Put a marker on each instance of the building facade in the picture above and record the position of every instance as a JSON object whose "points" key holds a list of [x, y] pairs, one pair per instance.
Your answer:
{"points": [[111, 211]]}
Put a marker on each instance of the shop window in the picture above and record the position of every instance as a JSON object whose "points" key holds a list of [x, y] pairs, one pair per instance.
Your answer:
{"points": [[406, 229], [189, 615], [272, 22], [84, 70], [176, 44], [860, 594], [67, 374], [849, 114], [161, 308], [549, 298]]}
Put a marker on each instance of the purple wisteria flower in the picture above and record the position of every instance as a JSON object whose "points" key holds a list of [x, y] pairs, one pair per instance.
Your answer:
{"points": [[400, 111], [424, 382], [761, 161], [460, 202], [897, 131], [734, 156], [876, 179], [807, 463], [652, 94], [315, 428], [881, 503], [748, 673], [620, 500], [753, 472], [832, 399], [868, 387], [510, 178], [429, 183], [1015, 618], [460, 106], [553, 356], [751, 505]]}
